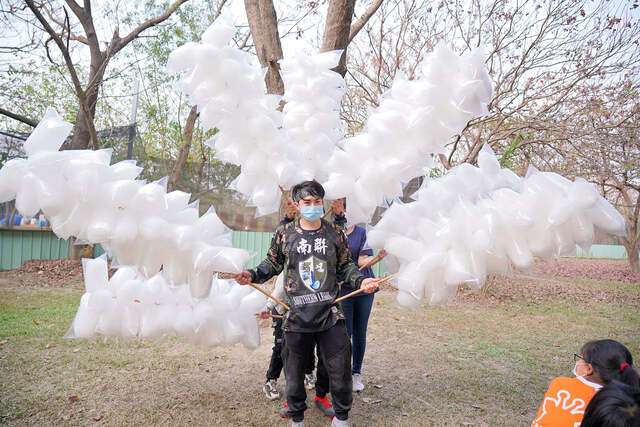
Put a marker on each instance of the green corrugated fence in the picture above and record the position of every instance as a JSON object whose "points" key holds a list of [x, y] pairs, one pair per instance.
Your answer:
{"points": [[17, 246], [255, 242], [603, 251]]}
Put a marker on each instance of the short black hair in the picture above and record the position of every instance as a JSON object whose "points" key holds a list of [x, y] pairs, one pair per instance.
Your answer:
{"points": [[615, 405], [307, 188]]}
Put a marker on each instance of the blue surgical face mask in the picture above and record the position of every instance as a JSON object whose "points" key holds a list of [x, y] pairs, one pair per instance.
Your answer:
{"points": [[311, 213]]}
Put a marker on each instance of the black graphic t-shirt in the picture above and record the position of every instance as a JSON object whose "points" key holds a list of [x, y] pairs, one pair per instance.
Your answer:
{"points": [[312, 259]]}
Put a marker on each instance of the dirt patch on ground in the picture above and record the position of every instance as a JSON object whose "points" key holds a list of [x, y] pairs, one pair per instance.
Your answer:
{"points": [[595, 269], [46, 273], [560, 280]]}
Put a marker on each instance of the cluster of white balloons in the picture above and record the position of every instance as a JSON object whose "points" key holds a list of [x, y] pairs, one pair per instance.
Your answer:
{"points": [[132, 305], [228, 88], [306, 141], [311, 116], [476, 221], [472, 222], [136, 222], [412, 124]]}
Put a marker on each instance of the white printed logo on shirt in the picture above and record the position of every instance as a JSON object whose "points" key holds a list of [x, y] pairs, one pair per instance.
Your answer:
{"points": [[313, 272]]}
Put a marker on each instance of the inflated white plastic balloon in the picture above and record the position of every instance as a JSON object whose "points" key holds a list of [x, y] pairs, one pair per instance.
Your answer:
{"points": [[130, 305], [476, 221], [138, 223], [305, 140]]}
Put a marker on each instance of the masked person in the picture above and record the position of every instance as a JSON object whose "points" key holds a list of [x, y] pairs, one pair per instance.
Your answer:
{"points": [[312, 252], [270, 387]]}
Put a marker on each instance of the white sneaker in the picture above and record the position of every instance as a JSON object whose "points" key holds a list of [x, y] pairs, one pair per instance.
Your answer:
{"points": [[270, 390], [309, 381], [297, 424], [339, 423], [357, 382]]}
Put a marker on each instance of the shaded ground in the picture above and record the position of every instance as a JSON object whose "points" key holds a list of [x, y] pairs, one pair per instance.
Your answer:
{"points": [[480, 360]]}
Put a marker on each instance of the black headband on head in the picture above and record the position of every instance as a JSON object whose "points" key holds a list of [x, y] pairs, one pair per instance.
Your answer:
{"points": [[306, 189]]}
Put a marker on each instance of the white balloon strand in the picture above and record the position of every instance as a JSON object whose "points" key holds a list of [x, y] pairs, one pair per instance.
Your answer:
{"points": [[228, 88], [472, 222], [412, 124], [137, 222], [476, 221], [131, 305]]}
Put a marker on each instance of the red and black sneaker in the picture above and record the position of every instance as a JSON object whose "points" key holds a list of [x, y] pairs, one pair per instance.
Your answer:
{"points": [[324, 405], [285, 412]]}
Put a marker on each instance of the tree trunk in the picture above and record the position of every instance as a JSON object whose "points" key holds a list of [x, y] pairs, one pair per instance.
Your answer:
{"points": [[79, 251], [634, 261], [633, 251], [187, 137], [82, 136], [337, 29], [263, 24]]}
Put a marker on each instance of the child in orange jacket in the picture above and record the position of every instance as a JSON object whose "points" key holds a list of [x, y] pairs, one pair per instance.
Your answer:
{"points": [[598, 363]]}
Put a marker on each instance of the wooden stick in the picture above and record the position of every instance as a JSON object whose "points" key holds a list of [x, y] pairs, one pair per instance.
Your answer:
{"points": [[387, 278], [372, 261], [327, 212], [357, 291], [275, 316], [268, 295], [230, 276]]}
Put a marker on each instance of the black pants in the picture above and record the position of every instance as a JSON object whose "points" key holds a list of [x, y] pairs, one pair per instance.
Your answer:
{"points": [[276, 364], [334, 352]]}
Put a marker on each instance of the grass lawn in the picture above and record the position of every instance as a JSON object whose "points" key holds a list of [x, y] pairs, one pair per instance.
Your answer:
{"points": [[476, 361]]}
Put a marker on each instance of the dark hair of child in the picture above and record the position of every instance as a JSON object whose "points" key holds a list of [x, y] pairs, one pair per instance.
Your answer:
{"points": [[612, 361], [615, 405]]}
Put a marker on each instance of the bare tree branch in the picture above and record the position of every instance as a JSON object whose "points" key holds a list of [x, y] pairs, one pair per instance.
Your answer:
{"points": [[74, 77], [18, 117], [119, 43], [357, 26]]}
